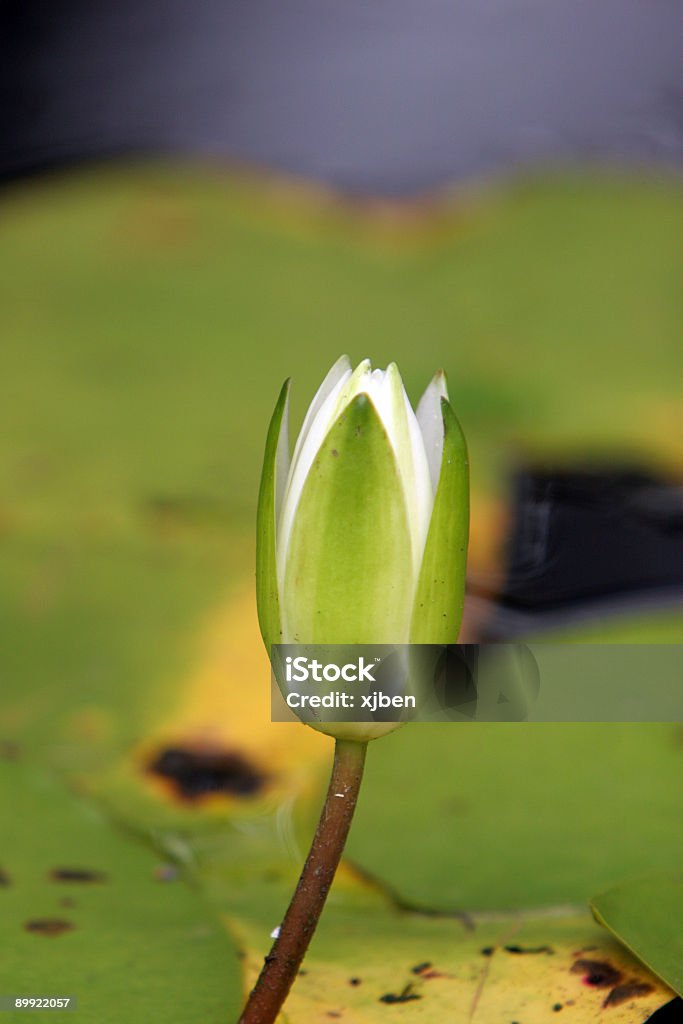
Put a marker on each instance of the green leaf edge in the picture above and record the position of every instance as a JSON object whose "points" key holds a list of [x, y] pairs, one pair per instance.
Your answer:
{"points": [[673, 983], [440, 593], [267, 596]]}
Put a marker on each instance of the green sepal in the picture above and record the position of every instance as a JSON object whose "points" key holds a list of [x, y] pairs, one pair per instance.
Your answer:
{"points": [[267, 598], [349, 576], [439, 599]]}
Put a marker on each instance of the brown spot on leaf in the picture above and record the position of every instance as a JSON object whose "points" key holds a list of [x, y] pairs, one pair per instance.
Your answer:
{"points": [[48, 926], [529, 949], [194, 773], [597, 973], [355, 982], [9, 750], [407, 995], [427, 972], [4, 877], [77, 875], [629, 990]]}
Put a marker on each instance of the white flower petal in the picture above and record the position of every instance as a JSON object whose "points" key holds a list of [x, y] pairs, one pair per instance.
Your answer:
{"points": [[354, 385], [404, 434], [305, 452], [341, 369], [430, 420], [424, 492]]}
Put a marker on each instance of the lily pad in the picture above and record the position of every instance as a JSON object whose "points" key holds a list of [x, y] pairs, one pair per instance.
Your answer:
{"points": [[88, 913], [370, 962], [493, 816], [646, 916]]}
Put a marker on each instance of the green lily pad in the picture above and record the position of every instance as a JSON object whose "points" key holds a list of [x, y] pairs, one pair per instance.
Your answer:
{"points": [[646, 916], [87, 912], [489, 815]]}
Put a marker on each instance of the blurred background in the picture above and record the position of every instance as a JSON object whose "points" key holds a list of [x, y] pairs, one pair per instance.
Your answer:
{"points": [[199, 200], [218, 197]]}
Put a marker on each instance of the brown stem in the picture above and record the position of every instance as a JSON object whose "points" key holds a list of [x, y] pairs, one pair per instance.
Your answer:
{"points": [[282, 964]]}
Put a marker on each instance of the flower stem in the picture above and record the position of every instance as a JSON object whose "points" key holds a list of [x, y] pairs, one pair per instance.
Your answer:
{"points": [[282, 964]]}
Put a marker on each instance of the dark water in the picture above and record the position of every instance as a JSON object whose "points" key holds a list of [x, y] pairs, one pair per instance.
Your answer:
{"points": [[588, 541], [391, 96]]}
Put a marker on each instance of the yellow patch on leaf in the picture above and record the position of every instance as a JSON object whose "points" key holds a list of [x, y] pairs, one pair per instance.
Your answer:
{"points": [[224, 711], [381, 965]]}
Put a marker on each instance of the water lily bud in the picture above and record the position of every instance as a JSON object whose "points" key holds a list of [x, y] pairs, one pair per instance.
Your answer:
{"points": [[362, 533]]}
